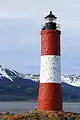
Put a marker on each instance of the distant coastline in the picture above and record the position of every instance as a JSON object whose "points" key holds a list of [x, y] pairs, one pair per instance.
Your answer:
{"points": [[19, 99]]}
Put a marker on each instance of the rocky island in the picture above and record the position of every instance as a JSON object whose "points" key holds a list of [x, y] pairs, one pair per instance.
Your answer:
{"points": [[41, 115]]}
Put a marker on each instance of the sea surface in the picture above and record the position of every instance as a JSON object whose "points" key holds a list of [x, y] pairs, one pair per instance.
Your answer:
{"points": [[21, 107]]}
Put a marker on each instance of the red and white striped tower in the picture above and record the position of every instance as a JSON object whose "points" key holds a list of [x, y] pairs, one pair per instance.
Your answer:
{"points": [[50, 97]]}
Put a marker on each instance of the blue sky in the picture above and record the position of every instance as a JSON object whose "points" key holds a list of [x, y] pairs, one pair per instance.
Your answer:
{"points": [[20, 25]]}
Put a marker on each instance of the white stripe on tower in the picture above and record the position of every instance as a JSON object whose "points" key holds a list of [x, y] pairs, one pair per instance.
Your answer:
{"points": [[50, 69]]}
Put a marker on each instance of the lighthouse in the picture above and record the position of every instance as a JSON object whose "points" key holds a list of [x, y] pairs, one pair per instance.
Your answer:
{"points": [[50, 97]]}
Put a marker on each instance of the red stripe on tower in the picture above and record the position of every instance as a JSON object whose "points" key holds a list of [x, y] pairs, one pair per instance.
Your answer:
{"points": [[50, 42], [50, 97]]}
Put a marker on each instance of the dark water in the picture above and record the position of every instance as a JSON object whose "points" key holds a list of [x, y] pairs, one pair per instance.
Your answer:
{"points": [[21, 107]]}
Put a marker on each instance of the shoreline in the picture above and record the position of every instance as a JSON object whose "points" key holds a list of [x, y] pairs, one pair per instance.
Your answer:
{"points": [[41, 115], [69, 102]]}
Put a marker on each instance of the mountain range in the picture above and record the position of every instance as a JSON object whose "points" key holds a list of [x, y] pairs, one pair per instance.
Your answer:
{"points": [[18, 86]]}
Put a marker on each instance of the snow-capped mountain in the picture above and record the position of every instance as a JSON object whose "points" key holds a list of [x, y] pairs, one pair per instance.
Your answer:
{"points": [[17, 86], [73, 80], [34, 77], [11, 74]]}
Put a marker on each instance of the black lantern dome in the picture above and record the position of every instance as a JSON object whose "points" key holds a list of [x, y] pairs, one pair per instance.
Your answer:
{"points": [[50, 22], [51, 16]]}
